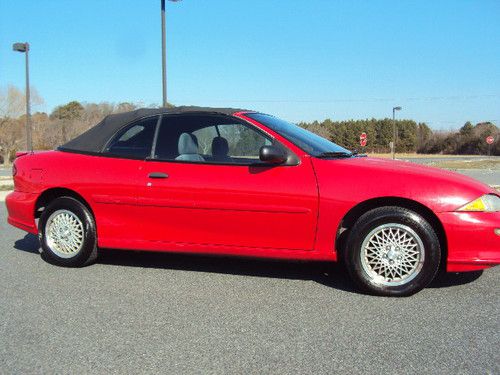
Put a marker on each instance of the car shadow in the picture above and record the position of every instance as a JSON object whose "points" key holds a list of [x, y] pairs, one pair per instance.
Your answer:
{"points": [[445, 279], [28, 243], [329, 274]]}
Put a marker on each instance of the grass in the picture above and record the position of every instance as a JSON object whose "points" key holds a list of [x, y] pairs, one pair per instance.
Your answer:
{"points": [[468, 164], [423, 156], [6, 187]]}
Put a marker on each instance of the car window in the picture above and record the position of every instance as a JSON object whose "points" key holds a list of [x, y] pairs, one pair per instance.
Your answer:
{"points": [[210, 139], [135, 140], [243, 141], [311, 143], [205, 136]]}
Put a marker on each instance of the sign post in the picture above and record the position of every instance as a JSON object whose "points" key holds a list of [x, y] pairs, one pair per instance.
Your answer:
{"points": [[489, 141], [363, 139]]}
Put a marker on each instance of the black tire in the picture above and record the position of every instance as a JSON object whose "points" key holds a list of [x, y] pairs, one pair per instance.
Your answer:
{"points": [[372, 269], [87, 250]]}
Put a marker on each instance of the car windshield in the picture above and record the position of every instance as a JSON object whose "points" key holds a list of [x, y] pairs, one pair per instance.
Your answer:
{"points": [[311, 143]]}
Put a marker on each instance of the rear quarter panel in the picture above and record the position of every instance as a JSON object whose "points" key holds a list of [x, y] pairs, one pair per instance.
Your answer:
{"points": [[108, 185]]}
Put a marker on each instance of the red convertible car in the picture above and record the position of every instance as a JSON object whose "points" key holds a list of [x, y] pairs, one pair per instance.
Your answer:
{"points": [[235, 182]]}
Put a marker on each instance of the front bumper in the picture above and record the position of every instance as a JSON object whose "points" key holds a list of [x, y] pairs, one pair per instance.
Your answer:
{"points": [[21, 209], [472, 241]]}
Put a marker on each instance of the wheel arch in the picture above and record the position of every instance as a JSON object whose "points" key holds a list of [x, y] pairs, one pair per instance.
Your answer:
{"points": [[53, 193], [355, 213]]}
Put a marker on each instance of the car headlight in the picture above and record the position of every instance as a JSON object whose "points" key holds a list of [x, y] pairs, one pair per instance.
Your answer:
{"points": [[486, 203]]}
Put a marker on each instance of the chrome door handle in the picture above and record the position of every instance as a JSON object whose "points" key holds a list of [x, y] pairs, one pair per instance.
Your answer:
{"points": [[158, 175]]}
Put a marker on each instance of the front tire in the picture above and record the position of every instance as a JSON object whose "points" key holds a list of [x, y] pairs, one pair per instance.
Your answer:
{"points": [[67, 233], [392, 251]]}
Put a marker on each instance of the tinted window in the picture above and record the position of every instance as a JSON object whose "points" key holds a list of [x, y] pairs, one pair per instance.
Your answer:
{"points": [[309, 142], [209, 138], [135, 140]]}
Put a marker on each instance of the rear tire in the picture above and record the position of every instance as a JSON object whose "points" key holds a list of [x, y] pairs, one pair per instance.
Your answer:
{"points": [[392, 251], [67, 233]]}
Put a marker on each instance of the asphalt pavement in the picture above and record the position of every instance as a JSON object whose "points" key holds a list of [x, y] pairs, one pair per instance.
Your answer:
{"points": [[165, 313]]}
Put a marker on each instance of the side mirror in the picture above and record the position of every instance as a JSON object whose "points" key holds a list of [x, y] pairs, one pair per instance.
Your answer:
{"points": [[272, 155]]}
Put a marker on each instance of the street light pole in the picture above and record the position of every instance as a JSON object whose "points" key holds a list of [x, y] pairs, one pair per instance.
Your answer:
{"points": [[394, 109], [163, 54], [25, 47], [164, 51]]}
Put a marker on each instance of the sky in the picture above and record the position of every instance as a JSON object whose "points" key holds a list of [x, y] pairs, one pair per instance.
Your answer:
{"points": [[300, 60]]}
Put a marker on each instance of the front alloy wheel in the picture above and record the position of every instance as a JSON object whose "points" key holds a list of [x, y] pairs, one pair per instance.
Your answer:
{"points": [[392, 251], [392, 254]]}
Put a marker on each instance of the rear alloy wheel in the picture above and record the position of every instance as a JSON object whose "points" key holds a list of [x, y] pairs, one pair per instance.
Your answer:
{"points": [[392, 251], [67, 233]]}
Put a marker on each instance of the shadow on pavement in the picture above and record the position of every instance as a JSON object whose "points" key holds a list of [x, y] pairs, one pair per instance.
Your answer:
{"points": [[329, 274], [444, 279], [29, 243]]}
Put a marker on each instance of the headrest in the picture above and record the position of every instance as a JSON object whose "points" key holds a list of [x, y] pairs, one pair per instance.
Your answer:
{"points": [[220, 147], [188, 144]]}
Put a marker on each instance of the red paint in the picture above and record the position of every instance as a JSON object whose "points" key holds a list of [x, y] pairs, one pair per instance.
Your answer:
{"points": [[291, 212]]}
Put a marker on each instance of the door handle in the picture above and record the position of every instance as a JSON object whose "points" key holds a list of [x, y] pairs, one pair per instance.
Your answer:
{"points": [[158, 175]]}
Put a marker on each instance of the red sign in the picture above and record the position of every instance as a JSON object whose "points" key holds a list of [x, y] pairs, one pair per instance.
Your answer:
{"points": [[362, 136], [362, 142], [490, 140]]}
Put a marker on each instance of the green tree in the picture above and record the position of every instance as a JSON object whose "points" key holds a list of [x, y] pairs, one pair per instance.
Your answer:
{"points": [[69, 111], [65, 115], [424, 134], [467, 129]]}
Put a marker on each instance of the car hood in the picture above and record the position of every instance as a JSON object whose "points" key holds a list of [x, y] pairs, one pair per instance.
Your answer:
{"points": [[366, 178]]}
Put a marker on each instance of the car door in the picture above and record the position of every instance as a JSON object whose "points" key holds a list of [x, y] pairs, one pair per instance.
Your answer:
{"points": [[228, 197], [115, 181]]}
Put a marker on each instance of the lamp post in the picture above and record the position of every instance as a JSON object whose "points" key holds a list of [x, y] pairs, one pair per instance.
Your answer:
{"points": [[164, 51], [394, 109], [25, 47]]}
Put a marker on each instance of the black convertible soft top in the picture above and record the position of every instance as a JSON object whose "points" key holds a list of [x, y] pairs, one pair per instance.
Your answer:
{"points": [[95, 139]]}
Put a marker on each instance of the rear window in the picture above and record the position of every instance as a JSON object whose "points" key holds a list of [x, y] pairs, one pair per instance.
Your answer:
{"points": [[135, 141]]}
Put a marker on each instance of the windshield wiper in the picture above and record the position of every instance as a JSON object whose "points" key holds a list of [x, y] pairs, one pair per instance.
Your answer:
{"points": [[335, 154]]}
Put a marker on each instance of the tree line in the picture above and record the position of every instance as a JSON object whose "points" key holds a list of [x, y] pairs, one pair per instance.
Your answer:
{"points": [[71, 119], [410, 136]]}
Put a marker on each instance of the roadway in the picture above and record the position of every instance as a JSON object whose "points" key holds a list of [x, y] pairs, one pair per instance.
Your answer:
{"points": [[165, 313]]}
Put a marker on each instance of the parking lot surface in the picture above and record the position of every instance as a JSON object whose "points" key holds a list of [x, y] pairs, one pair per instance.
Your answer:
{"points": [[148, 313]]}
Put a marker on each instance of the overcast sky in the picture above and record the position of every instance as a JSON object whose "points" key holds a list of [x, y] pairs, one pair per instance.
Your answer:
{"points": [[301, 60]]}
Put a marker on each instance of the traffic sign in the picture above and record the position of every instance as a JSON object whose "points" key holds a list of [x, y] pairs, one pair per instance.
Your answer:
{"points": [[362, 142], [490, 140], [362, 136]]}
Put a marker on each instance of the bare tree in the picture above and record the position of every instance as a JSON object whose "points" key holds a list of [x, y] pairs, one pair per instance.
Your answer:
{"points": [[12, 130], [11, 107]]}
